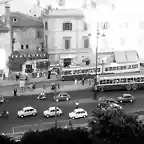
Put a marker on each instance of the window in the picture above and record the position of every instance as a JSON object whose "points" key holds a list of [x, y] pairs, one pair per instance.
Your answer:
{"points": [[85, 26], [38, 34], [67, 42], [27, 46], [106, 25], [46, 25], [85, 42], [22, 46], [67, 26]]}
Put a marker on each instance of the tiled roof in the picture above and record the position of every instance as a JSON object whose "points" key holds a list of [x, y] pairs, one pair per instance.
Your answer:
{"points": [[23, 20], [66, 13]]}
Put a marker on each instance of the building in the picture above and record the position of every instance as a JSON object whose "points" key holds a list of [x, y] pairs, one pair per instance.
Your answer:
{"points": [[66, 36], [26, 38], [5, 45]]}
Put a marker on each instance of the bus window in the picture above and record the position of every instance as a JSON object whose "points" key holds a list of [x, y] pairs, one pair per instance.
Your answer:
{"points": [[121, 67], [101, 81], [142, 79], [106, 69], [98, 69], [129, 66], [83, 71], [110, 68], [137, 79], [114, 68], [124, 67], [117, 80], [135, 66], [123, 80]]}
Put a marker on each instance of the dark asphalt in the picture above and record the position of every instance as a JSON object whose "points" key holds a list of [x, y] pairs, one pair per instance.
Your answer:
{"points": [[14, 104]]}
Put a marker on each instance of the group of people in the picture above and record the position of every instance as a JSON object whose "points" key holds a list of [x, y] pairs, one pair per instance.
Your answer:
{"points": [[82, 81]]}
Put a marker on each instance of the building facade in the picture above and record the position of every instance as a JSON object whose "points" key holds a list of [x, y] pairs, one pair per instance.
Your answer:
{"points": [[66, 36], [5, 45]]}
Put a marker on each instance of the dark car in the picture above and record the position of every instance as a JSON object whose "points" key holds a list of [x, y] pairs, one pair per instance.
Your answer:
{"points": [[125, 98], [111, 100], [62, 97], [103, 105]]}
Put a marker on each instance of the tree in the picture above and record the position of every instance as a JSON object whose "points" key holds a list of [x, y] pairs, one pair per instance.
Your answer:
{"points": [[113, 126], [57, 136], [5, 140]]}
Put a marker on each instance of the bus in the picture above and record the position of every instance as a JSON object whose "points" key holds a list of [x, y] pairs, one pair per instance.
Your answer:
{"points": [[127, 82], [69, 74]]}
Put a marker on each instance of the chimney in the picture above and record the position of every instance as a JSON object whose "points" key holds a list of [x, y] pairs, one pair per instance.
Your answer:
{"points": [[7, 15]]}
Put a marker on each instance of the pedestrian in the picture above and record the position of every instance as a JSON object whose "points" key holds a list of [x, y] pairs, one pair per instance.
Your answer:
{"points": [[58, 85], [70, 124], [4, 76], [82, 81], [89, 81], [15, 92], [75, 81], [77, 104]]}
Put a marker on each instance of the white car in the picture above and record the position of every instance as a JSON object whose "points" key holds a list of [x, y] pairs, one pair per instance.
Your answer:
{"points": [[52, 111], [27, 111], [78, 113], [114, 105]]}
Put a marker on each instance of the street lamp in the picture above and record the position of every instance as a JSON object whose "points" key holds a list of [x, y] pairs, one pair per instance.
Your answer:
{"points": [[95, 96]]}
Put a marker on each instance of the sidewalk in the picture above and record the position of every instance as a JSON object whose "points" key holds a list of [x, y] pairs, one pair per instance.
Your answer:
{"points": [[32, 80], [48, 90]]}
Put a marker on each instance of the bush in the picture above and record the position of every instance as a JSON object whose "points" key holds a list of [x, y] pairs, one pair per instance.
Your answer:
{"points": [[115, 127]]}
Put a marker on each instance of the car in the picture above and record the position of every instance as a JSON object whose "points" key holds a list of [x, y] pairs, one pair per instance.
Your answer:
{"points": [[1, 100], [115, 106], [78, 113], [27, 111], [52, 111], [111, 100], [41, 97], [108, 100], [125, 98], [106, 106], [62, 97]]}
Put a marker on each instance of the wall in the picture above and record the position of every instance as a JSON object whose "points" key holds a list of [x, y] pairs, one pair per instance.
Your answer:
{"points": [[27, 36], [5, 48]]}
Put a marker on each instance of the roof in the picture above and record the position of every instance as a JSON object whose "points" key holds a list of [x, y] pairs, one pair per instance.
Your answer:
{"points": [[23, 20], [51, 108], [65, 13], [79, 109], [3, 27], [25, 108]]}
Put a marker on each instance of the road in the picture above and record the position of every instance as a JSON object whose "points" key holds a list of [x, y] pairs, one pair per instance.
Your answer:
{"points": [[14, 104]]}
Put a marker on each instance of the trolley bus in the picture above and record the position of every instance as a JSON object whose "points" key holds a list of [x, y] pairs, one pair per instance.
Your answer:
{"points": [[128, 82], [89, 71]]}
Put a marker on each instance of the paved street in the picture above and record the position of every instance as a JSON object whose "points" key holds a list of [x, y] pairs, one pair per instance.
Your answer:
{"points": [[14, 104]]}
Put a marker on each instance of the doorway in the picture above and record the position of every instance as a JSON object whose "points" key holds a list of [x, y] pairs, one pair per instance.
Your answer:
{"points": [[67, 62]]}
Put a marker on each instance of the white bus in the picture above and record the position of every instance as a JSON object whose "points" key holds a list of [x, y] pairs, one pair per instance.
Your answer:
{"points": [[89, 71], [127, 82]]}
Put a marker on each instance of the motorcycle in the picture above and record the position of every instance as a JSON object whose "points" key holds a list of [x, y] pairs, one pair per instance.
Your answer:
{"points": [[1, 100], [41, 97], [4, 114]]}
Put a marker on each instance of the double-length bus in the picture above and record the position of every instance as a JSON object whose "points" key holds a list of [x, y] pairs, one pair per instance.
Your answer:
{"points": [[69, 74], [127, 82]]}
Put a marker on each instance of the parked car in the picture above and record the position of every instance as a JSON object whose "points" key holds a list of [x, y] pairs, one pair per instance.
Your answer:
{"points": [[125, 98], [52, 111], [108, 100], [62, 97], [27, 111], [78, 113]]}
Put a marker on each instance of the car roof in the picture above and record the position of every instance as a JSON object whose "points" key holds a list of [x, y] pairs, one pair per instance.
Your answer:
{"points": [[110, 99], [79, 109], [127, 95], [51, 108], [62, 93], [25, 108]]}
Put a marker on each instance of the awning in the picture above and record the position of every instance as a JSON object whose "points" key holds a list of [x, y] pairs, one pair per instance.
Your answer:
{"points": [[64, 56]]}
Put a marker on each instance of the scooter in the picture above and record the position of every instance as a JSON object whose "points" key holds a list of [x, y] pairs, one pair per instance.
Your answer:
{"points": [[41, 97], [6, 114], [2, 100]]}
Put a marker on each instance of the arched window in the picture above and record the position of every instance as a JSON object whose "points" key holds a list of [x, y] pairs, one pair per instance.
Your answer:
{"points": [[46, 25]]}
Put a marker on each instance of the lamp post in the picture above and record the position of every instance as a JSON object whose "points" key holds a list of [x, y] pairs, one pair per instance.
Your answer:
{"points": [[95, 95], [56, 123]]}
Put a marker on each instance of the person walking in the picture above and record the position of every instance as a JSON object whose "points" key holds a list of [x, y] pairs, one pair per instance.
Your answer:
{"points": [[75, 81], [77, 104]]}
